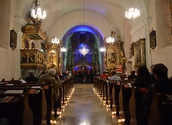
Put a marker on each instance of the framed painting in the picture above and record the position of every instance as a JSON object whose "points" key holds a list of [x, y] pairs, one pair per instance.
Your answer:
{"points": [[152, 37], [139, 53], [13, 39], [111, 57]]}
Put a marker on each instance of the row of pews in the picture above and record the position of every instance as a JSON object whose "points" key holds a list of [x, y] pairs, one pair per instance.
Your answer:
{"points": [[25, 103], [119, 97]]}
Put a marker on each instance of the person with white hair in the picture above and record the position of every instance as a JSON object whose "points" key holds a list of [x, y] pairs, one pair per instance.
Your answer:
{"points": [[50, 83]]}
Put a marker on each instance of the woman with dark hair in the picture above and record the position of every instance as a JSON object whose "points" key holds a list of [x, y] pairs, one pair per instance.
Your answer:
{"points": [[142, 82], [132, 76], [162, 85]]}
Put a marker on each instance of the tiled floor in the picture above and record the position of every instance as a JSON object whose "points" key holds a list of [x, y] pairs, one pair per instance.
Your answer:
{"points": [[85, 108]]}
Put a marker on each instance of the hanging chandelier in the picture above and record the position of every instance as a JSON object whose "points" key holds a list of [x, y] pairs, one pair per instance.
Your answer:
{"points": [[63, 49], [37, 13], [132, 13], [55, 40], [84, 51], [110, 39]]}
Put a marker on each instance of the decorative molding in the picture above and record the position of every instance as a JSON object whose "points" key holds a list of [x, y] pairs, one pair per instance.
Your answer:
{"points": [[34, 32], [31, 58], [21, 21], [145, 22]]}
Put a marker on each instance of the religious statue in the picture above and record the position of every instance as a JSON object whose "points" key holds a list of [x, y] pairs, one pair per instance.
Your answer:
{"points": [[112, 60], [122, 57], [113, 33], [26, 44], [23, 58], [31, 58], [33, 45]]}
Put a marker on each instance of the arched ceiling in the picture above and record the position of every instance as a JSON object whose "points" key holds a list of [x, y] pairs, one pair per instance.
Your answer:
{"points": [[112, 10]]}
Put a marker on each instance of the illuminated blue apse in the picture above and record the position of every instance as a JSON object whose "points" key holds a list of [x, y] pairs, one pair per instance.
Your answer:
{"points": [[87, 59], [83, 28]]}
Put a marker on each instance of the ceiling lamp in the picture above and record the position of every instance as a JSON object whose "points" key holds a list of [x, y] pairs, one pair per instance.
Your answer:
{"points": [[102, 49], [110, 39], [55, 40], [84, 51], [132, 13], [63, 49], [37, 13]]}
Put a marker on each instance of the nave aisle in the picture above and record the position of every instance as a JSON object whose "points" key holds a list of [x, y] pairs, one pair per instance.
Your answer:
{"points": [[85, 108]]}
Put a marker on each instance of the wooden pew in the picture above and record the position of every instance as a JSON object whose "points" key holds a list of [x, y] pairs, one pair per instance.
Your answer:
{"points": [[128, 101], [160, 109], [12, 81], [12, 104], [27, 112], [132, 107], [105, 91], [31, 100], [115, 95]]}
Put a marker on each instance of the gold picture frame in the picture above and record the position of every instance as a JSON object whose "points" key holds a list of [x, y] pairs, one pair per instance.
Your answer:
{"points": [[13, 39], [139, 53]]}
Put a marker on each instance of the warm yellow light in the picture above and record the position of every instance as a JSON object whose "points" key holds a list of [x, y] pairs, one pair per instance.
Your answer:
{"points": [[110, 40], [63, 49], [132, 13], [38, 14]]}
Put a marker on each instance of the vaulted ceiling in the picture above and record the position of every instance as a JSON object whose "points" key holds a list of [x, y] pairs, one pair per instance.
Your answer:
{"points": [[106, 13]]}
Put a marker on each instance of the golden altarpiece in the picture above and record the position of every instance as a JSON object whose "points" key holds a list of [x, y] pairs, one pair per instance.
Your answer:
{"points": [[114, 56]]}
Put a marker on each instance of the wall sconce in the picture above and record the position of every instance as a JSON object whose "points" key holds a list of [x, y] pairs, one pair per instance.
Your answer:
{"points": [[63, 49], [102, 49], [55, 40]]}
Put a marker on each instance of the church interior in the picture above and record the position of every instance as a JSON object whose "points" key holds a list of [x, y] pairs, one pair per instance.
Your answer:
{"points": [[93, 34], [94, 22]]}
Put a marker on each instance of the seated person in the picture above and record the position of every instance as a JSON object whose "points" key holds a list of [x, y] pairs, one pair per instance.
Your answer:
{"points": [[142, 82], [104, 75], [132, 76], [31, 77], [114, 76], [49, 79], [163, 84]]}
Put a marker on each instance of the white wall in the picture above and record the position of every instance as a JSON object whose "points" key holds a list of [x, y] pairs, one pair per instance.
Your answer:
{"points": [[10, 60], [157, 11], [161, 22]]}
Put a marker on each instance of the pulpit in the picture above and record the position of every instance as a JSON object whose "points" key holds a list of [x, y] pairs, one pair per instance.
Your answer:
{"points": [[31, 59]]}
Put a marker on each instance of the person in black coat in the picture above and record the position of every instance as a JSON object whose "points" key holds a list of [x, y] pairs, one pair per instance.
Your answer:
{"points": [[35, 100], [163, 85], [132, 76], [31, 77], [142, 82]]}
